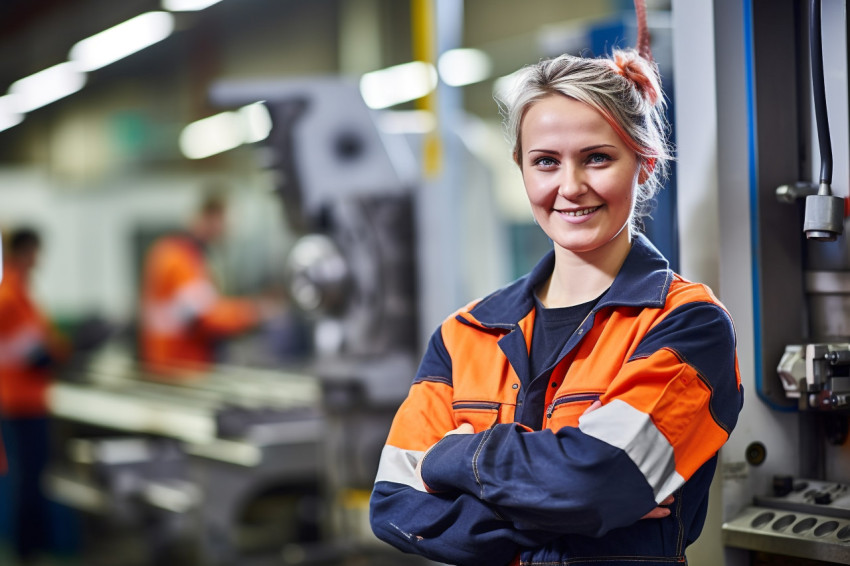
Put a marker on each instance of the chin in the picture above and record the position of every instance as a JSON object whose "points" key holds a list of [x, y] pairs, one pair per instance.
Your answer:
{"points": [[581, 246]]}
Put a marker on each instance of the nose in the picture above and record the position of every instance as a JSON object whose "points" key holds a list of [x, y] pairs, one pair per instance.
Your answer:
{"points": [[572, 182]]}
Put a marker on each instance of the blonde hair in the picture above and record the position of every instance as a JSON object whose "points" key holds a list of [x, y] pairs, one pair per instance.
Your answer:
{"points": [[625, 90]]}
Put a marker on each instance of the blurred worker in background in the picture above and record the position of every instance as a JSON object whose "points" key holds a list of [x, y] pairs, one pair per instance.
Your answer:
{"points": [[30, 349], [183, 314]]}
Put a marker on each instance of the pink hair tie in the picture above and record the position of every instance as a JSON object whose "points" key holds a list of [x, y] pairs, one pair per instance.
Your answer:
{"points": [[634, 70]]}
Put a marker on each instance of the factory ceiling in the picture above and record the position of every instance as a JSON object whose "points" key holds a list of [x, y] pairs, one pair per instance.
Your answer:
{"points": [[241, 39]]}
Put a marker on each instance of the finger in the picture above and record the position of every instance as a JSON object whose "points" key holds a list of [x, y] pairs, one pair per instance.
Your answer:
{"points": [[595, 405], [668, 501], [464, 428], [657, 513]]}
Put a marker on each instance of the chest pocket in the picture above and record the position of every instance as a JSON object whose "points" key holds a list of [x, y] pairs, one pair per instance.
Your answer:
{"points": [[565, 410], [480, 414]]}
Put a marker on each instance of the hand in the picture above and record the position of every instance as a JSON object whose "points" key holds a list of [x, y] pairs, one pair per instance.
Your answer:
{"points": [[464, 428], [660, 512]]}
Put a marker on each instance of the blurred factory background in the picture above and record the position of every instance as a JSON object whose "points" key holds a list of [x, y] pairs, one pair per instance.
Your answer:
{"points": [[356, 153]]}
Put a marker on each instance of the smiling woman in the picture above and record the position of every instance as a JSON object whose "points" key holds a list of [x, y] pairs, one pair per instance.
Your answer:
{"points": [[580, 177], [574, 415]]}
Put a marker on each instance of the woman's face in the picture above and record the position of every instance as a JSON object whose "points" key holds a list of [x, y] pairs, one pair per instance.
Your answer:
{"points": [[579, 175]]}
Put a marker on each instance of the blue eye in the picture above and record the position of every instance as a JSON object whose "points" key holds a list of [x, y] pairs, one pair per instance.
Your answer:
{"points": [[545, 162], [599, 158]]}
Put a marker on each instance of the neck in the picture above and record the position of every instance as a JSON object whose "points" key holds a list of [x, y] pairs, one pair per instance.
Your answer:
{"points": [[579, 277], [16, 269]]}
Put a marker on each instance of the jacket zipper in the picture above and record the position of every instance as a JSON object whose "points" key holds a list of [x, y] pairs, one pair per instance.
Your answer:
{"points": [[571, 398], [475, 405], [575, 397]]}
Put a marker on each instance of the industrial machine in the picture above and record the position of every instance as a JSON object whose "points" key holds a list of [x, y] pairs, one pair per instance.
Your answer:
{"points": [[786, 471], [180, 462], [349, 192]]}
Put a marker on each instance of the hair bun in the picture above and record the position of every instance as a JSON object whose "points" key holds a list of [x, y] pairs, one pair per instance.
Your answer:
{"points": [[638, 71]]}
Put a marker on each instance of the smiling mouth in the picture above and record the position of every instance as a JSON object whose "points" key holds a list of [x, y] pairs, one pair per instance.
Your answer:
{"points": [[582, 212]]}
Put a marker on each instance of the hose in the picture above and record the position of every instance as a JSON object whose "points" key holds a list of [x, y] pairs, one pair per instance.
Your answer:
{"points": [[819, 93]]}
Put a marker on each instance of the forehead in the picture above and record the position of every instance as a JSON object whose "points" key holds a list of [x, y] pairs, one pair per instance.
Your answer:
{"points": [[557, 114]]}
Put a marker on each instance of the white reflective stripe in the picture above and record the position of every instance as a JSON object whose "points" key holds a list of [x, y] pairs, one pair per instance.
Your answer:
{"points": [[17, 346], [197, 296], [172, 316], [399, 466], [162, 318], [621, 425]]}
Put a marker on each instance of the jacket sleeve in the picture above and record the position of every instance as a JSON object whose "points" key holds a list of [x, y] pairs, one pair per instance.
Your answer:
{"points": [[667, 412], [195, 299], [227, 316], [453, 528]]}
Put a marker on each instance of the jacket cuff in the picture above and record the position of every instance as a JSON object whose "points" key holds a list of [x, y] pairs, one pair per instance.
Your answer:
{"points": [[448, 465]]}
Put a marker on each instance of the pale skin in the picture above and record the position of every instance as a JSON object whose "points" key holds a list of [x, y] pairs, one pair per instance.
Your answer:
{"points": [[580, 178]]}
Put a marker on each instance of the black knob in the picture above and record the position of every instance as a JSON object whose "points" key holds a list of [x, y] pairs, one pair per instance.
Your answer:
{"points": [[782, 485], [823, 498]]}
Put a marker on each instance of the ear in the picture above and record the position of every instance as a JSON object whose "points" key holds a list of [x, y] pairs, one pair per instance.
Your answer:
{"points": [[646, 169]]}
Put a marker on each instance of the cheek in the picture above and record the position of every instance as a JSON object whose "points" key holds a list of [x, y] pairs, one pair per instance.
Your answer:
{"points": [[619, 191], [536, 191]]}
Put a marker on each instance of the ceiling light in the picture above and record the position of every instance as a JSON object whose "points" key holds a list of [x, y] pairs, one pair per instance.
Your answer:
{"points": [[122, 40], [46, 86], [407, 121], [9, 116], [256, 122], [225, 131], [459, 67], [401, 83], [187, 5]]}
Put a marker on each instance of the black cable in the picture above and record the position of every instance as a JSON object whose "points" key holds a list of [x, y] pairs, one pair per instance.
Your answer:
{"points": [[819, 92]]}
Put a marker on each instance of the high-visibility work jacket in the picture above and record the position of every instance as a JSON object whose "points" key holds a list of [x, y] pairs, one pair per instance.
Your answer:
{"points": [[182, 312], [656, 350], [28, 346]]}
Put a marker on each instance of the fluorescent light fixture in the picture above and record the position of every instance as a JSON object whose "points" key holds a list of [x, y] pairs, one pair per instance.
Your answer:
{"points": [[401, 83], [225, 131], [187, 5], [122, 40], [9, 116], [45, 87], [257, 122], [407, 121], [459, 67]]}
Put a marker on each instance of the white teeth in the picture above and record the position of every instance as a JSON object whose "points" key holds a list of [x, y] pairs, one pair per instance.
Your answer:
{"points": [[582, 212]]}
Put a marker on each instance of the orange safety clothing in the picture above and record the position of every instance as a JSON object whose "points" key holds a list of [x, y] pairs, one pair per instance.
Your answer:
{"points": [[562, 485], [29, 344], [183, 314]]}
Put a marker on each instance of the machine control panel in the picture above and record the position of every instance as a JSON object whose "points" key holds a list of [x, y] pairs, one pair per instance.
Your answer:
{"points": [[803, 518]]}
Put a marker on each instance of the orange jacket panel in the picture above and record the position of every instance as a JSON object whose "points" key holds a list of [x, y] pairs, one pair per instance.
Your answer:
{"points": [[25, 335]]}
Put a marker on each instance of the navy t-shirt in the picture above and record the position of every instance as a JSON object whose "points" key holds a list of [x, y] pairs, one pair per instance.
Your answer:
{"points": [[552, 329]]}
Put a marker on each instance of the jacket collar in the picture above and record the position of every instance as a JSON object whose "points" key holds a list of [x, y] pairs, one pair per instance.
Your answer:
{"points": [[643, 281]]}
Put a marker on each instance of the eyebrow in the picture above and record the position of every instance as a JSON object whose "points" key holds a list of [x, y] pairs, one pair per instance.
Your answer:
{"points": [[582, 150]]}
